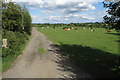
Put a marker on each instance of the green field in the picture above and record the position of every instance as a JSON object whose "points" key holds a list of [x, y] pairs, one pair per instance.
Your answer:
{"points": [[96, 52], [99, 39]]}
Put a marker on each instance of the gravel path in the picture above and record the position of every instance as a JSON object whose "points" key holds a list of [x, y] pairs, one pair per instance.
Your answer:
{"points": [[32, 64]]}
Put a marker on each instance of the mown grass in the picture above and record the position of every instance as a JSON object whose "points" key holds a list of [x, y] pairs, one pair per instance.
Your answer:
{"points": [[98, 39], [97, 63], [41, 50], [96, 52]]}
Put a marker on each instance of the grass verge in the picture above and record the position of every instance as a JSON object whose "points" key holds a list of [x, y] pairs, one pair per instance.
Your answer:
{"points": [[7, 61], [41, 50]]}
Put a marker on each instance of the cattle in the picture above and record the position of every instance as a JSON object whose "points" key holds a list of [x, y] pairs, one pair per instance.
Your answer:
{"points": [[76, 29], [54, 27], [83, 28], [91, 30], [42, 27], [66, 28], [71, 27], [108, 30]]}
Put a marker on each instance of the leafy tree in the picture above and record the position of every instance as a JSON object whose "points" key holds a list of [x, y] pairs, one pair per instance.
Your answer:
{"points": [[15, 18], [11, 17], [27, 21], [113, 17]]}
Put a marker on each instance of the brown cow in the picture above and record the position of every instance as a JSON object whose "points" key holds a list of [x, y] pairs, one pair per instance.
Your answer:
{"points": [[66, 28], [108, 30]]}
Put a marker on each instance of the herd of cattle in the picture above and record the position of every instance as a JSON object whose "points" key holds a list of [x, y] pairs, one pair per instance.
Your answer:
{"points": [[76, 29]]}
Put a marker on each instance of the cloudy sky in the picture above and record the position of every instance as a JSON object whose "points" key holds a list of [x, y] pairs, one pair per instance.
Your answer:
{"points": [[64, 11]]}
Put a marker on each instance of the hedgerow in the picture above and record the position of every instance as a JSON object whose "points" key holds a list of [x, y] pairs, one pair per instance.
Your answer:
{"points": [[14, 42], [16, 28]]}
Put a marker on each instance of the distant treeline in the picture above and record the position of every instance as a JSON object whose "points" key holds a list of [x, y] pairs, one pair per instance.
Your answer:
{"points": [[97, 25]]}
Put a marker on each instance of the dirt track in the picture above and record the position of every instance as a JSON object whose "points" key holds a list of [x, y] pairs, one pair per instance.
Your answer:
{"points": [[32, 64]]}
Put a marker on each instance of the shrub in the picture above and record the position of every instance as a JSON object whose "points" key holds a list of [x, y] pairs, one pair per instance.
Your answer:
{"points": [[15, 40]]}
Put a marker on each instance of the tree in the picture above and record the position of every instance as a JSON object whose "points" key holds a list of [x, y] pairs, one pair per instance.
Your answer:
{"points": [[11, 17], [15, 18], [27, 21], [113, 17]]}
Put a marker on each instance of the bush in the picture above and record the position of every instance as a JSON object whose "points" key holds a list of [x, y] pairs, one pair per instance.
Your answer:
{"points": [[16, 18], [15, 40]]}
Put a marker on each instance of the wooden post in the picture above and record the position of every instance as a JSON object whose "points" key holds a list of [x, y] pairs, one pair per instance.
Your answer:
{"points": [[4, 43]]}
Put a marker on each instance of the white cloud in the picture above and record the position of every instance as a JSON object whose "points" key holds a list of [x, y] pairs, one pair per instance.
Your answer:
{"points": [[57, 1], [70, 17], [47, 12], [65, 6], [38, 1], [36, 19], [79, 16], [99, 13], [63, 10], [64, 18]]}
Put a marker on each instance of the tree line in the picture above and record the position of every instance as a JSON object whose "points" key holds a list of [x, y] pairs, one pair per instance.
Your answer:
{"points": [[15, 18], [96, 25]]}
